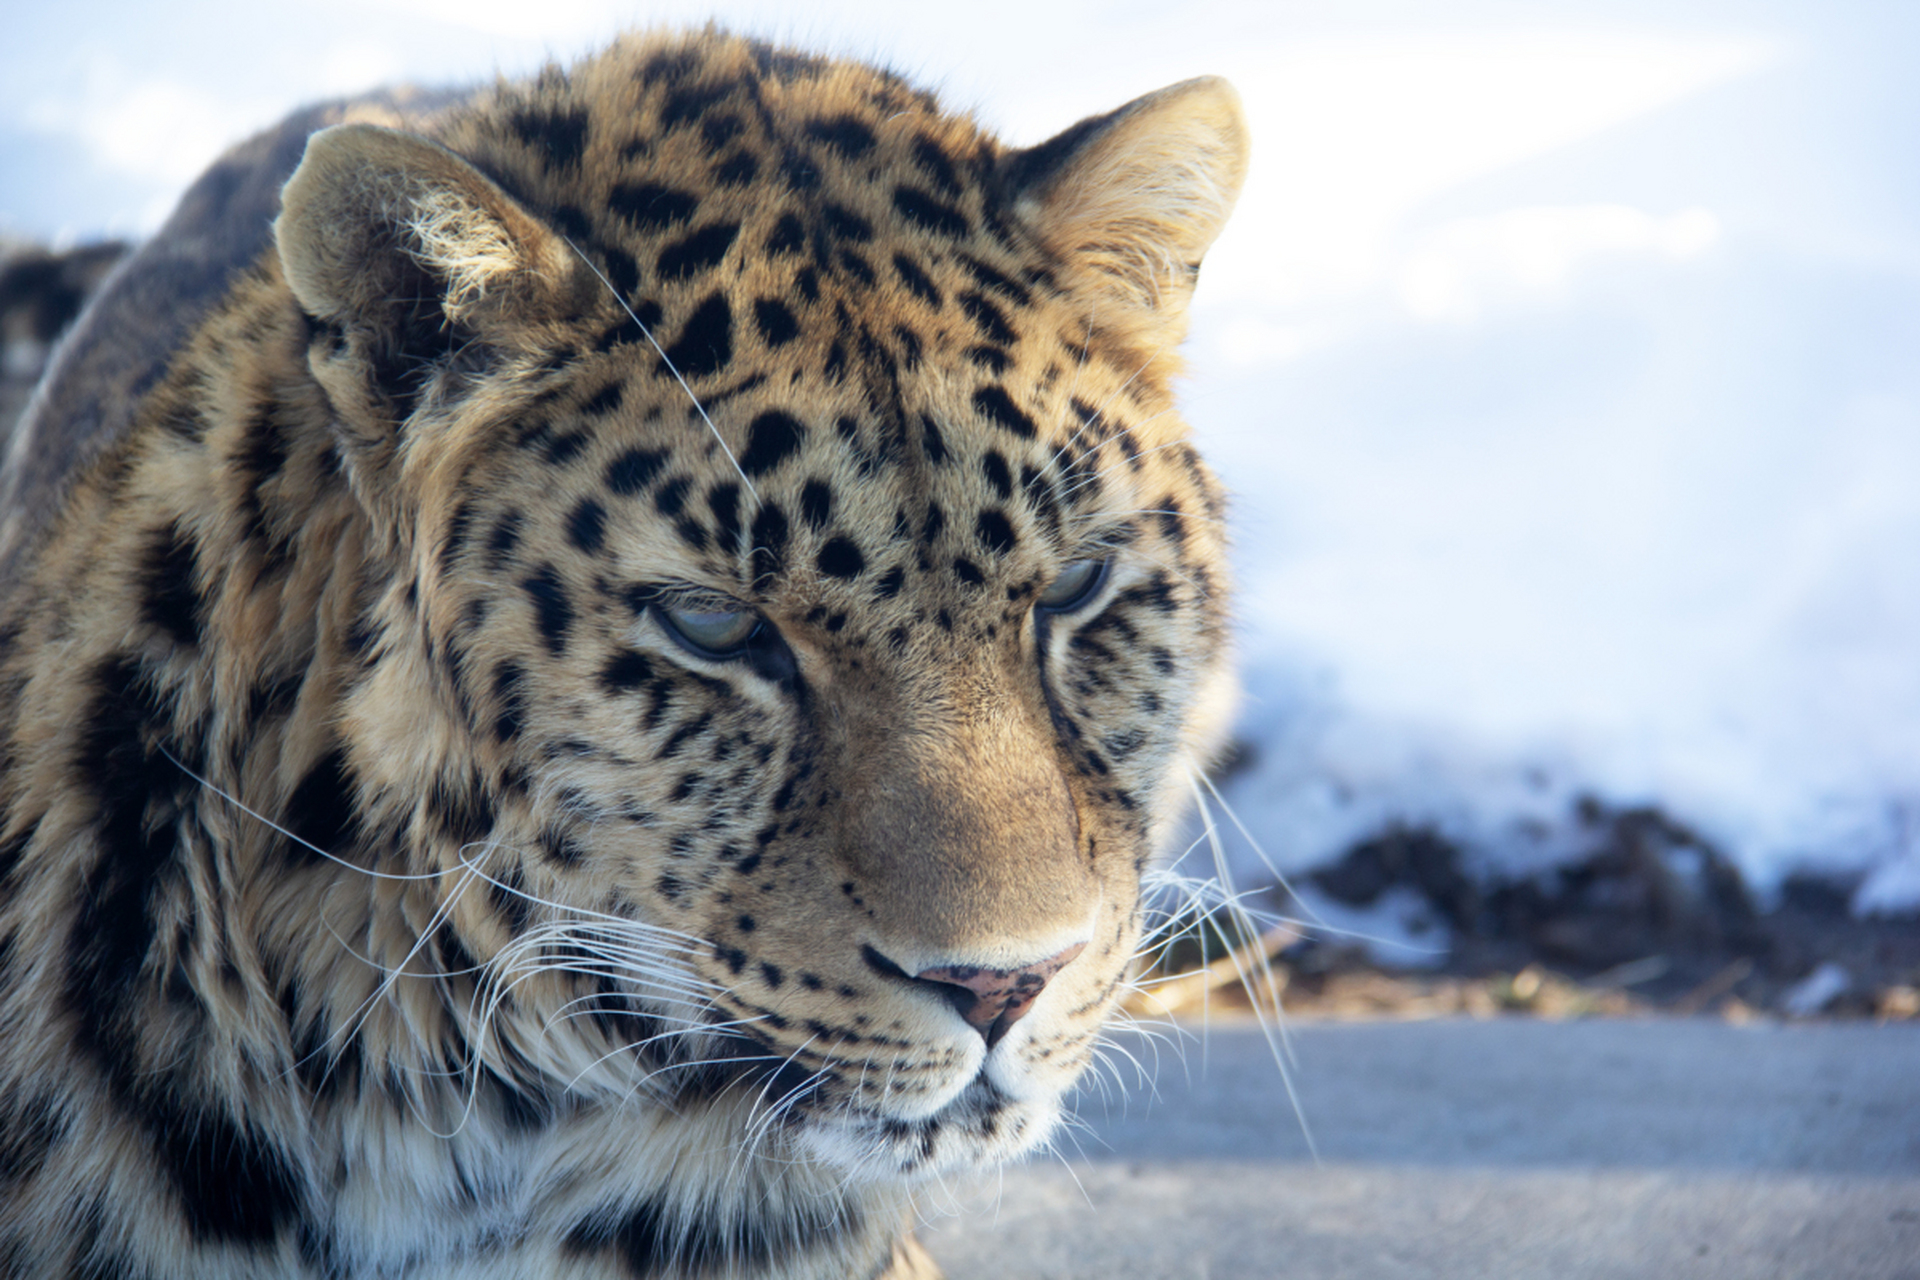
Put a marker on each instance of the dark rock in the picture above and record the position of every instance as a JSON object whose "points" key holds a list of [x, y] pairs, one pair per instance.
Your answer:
{"points": [[1819, 894], [1649, 884], [1416, 856]]}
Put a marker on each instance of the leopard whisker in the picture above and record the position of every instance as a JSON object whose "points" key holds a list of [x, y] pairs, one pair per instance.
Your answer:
{"points": [[637, 964], [1053, 1149], [765, 1116], [216, 789], [668, 362], [644, 987], [1111, 1049], [1115, 466], [1100, 410], [651, 1004], [614, 922], [1080, 365], [649, 1076], [673, 1025], [441, 915], [1087, 423], [351, 1026], [1272, 1027], [1162, 511]]}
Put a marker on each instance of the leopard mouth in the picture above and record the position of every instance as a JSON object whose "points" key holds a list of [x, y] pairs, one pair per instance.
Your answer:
{"points": [[981, 1127]]}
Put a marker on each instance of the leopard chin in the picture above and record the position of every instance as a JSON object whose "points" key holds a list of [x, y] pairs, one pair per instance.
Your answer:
{"points": [[980, 1128], [993, 1107]]}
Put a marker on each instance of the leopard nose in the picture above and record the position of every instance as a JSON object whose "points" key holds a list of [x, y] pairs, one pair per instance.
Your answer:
{"points": [[992, 1000]]}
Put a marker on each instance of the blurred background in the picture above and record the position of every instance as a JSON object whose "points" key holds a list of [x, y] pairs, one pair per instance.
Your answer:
{"points": [[1562, 360]]}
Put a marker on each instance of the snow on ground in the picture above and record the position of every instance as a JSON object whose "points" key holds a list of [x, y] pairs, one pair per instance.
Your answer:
{"points": [[1562, 359]]}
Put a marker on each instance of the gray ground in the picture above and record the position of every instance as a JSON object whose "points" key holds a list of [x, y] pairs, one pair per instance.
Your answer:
{"points": [[1507, 1148]]}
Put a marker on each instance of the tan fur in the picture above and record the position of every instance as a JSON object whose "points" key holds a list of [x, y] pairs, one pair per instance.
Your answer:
{"points": [[1145, 197], [390, 889]]}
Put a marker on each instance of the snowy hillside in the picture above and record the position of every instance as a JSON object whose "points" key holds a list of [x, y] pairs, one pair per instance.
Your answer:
{"points": [[1563, 359]]}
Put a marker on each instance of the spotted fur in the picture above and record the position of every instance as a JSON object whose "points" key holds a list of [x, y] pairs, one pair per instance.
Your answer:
{"points": [[393, 885]]}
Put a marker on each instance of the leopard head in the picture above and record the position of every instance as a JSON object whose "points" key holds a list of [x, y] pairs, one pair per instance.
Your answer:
{"points": [[791, 601]]}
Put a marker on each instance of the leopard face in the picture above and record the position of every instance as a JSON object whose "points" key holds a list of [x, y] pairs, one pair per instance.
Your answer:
{"points": [[909, 701], [682, 606]]}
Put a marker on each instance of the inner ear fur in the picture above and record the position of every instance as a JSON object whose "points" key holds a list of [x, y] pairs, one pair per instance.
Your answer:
{"points": [[1132, 200], [427, 273], [388, 232]]}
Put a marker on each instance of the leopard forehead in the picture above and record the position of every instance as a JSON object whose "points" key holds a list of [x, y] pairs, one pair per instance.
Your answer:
{"points": [[803, 492], [721, 168], [827, 353]]}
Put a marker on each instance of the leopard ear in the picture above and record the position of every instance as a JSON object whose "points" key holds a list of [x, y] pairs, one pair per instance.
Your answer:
{"points": [[415, 259], [1131, 201]]}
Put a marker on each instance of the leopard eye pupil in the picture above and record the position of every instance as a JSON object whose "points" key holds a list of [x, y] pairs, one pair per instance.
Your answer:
{"points": [[719, 631], [1074, 587]]}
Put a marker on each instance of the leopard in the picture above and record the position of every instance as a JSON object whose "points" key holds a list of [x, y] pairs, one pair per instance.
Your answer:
{"points": [[591, 671]]}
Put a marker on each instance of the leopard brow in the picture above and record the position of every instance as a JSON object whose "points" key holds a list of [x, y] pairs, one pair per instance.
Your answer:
{"points": [[664, 359], [1115, 535], [682, 595]]}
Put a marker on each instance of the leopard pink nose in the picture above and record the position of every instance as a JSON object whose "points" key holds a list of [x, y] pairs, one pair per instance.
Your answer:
{"points": [[992, 1000]]}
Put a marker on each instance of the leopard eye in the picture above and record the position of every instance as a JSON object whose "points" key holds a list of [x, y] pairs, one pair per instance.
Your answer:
{"points": [[1077, 584], [711, 633]]}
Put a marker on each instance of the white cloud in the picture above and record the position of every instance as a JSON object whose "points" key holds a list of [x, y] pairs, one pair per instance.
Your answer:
{"points": [[156, 129], [1352, 137], [517, 20], [1462, 268]]}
